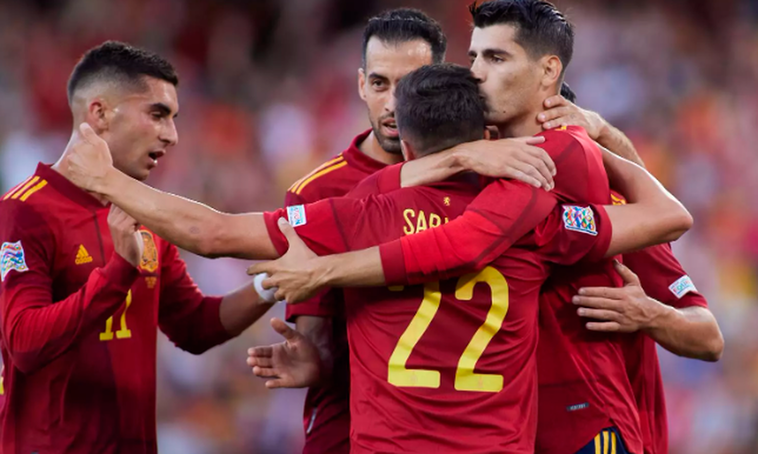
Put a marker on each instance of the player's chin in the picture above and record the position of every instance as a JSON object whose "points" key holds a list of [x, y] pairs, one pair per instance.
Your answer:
{"points": [[390, 144]]}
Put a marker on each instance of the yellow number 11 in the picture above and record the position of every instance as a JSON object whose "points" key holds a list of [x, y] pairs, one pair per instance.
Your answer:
{"points": [[124, 332], [465, 378]]}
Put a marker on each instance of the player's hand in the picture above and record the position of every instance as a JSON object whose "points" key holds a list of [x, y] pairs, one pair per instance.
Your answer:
{"points": [[127, 241], [518, 159], [626, 309], [87, 159], [561, 112], [295, 273], [294, 363]]}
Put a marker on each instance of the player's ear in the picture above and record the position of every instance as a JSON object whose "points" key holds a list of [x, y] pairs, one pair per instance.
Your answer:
{"points": [[552, 67], [362, 83], [97, 115]]}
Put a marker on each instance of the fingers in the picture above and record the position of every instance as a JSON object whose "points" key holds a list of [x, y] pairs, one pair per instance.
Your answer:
{"points": [[288, 231], [603, 292], [265, 372], [628, 275], [267, 351], [599, 314], [605, 327], [88, 134], [261, 267], [555, 100], [545, 158], [283, 329], [274, 384], [554, 114], [530, 140], [539, 160], [595, 302], [263, 362], [526, 172]]}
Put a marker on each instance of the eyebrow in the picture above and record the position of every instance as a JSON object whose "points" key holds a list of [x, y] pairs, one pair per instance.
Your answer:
{"points": [[491, 52], [163, 109], [376, 76]]}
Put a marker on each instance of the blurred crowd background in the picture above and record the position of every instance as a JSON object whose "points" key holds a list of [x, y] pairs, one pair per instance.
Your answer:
{"points": [[268, 91]]}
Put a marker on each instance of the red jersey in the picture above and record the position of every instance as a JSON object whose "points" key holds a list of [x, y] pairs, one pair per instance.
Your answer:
{"points": [[79, 323], [440, 253], [663, 278], [326, 416], [448, 366]]}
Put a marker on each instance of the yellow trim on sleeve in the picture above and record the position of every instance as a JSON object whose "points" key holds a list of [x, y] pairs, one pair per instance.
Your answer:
{"points": [[336, 160], [23, 188], [318, 175]]}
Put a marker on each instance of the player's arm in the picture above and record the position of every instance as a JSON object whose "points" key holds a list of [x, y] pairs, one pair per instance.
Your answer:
{"points": [[518, 159], [488, 226], [561, 112], [651, 216], [658, 298], [35, 328], [196, 322], [185, 223]]}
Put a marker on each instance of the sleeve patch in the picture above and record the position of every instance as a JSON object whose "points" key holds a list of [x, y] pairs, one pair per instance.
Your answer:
{"points": [[682, 286], [12, 258], [296, 215], [579, 219]]}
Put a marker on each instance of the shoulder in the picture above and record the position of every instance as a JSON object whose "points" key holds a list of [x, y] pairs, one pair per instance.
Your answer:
{"points": [[333, 178]]}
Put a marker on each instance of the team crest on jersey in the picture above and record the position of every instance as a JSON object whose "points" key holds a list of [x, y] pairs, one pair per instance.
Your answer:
{"points": [[296, 215], [12, 258], [681, 286], [149, 260], [579, 219]]}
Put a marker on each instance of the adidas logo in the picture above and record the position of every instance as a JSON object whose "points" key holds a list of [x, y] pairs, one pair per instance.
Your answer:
{"points": [[82, 256]]}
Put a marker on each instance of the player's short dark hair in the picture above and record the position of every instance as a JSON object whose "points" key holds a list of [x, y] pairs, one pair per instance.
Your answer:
{"points": [[568, 93], [402, 25], [119, 62], [541, 28], [439, 106]]}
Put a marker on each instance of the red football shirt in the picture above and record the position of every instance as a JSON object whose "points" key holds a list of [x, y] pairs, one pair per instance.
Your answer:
{"points": [[594, 390], [663, 279], [79, 323], [326, 415], [448, 366]]}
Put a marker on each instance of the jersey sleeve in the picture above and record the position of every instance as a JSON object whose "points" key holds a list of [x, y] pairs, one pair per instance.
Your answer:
{"points": [[36, 329], [572, 233], [190, 319], [663, 277], [381, 182], [500, 215], [320, 228]]}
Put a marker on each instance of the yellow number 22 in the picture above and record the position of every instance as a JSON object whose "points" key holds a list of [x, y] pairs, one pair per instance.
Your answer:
{"points": [[465, 378], [124, 332]]}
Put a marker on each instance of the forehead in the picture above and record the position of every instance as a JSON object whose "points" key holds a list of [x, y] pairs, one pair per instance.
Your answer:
{"points": [[394, 60], [157, 91], [499, 36]]}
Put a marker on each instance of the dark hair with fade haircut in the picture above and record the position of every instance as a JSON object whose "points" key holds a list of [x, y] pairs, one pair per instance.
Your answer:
{"points": [[541, 28], [402, 25], [439, 106], [120, 62]]}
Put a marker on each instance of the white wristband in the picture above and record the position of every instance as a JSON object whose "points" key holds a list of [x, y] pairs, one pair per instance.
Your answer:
{"points": [[268, 295]]}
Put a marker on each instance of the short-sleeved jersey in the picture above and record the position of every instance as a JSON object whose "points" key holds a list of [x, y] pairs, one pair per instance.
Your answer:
{"points": [[79, 323], [448, 366], [663, 278], [326, 414]]}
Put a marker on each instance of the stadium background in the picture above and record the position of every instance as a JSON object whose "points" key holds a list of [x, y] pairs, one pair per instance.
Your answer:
{"points": [[268, 91]]}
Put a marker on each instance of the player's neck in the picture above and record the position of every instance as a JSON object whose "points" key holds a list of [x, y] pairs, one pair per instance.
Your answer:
{"points": [[371, 148], [64, 173], [520, 127]]}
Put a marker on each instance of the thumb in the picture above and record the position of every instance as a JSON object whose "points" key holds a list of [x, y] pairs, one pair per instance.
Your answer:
{"points": [[629, 277], [284, 329], [531, 140], [260, 268], [88, 134], [288, 231]]}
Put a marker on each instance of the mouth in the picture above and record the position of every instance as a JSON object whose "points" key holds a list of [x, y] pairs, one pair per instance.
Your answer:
{"points": [[155, 156], [389, 127]]}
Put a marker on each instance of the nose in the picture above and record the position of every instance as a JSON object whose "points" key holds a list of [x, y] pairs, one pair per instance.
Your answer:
{"points": [[389, 106], [169, 135], [478, 71]]}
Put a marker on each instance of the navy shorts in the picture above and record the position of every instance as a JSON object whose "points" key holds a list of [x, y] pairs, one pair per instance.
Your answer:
{"points": [[608, 441]]}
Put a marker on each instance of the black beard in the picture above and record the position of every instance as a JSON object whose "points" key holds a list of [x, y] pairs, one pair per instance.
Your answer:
{"points": [[391, 146]]}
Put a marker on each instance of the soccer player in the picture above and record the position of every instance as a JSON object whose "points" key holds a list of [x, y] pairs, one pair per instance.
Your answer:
{"points": [[674, 314], [83, 289], [398, 379], [395, 43]]}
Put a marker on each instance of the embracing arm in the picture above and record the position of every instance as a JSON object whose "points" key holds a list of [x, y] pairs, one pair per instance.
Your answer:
{"points": [[190, 225]]}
